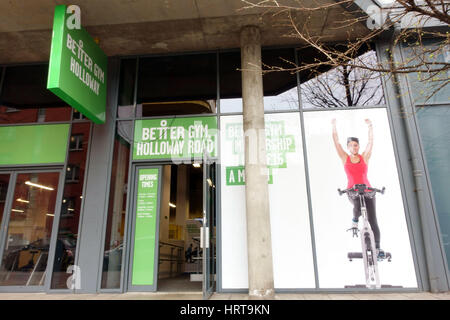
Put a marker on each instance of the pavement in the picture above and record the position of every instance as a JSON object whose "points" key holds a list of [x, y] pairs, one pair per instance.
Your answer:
{"points": [[225, 296]]}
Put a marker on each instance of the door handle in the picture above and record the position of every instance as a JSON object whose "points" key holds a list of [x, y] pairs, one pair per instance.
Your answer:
{"points": [[201, 237], [207, 237], [204, 237]]}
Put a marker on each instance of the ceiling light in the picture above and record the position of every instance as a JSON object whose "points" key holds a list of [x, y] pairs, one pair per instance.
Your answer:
{"points": [[38, 185], [196, 165], [70, 209], [21, 200], [50, 215], [16, 210], [172, 205]]}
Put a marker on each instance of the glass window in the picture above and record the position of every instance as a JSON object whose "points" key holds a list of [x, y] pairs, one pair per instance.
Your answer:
{"points": [[289, 215], [4, 183], [230, 82], [73, 173], [77, 115], [231, 105], [57, 114], [29, 230], [177, 85], [431, 84], [25, 98], [280, 87], [435, 133], [344, 86], [76, 142], [71, 207], [126, 88], [335, 161], [112, 260]]}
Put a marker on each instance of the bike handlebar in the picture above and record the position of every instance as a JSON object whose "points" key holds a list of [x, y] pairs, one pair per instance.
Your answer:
{"points": [[360, 188]]}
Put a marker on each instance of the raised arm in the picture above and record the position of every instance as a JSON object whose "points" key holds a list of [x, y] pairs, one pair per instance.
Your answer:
{"points": [[341, 153], [368, 152]]}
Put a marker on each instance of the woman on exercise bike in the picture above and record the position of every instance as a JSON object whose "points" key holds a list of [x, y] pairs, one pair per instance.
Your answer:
{"points": [[356, 166]]}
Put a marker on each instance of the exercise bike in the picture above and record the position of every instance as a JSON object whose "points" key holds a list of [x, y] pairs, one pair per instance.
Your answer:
{"points": [[368, 252]]}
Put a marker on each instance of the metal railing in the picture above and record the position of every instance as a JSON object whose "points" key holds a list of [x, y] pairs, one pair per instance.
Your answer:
{"points": [[177, 258]]}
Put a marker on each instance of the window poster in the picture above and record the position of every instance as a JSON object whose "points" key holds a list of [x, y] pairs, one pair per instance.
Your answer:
{"points": [[146, 223], [344, 148], [289, 215]]}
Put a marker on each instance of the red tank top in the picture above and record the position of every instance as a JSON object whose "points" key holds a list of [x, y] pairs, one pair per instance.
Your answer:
{"points": [[356, 172]]}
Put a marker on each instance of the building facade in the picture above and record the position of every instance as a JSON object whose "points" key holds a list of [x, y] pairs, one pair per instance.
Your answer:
{"points": [[208, 175]]}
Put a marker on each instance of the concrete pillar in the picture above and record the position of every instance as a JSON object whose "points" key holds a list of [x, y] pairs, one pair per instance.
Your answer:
{"points": [[260, 264]]}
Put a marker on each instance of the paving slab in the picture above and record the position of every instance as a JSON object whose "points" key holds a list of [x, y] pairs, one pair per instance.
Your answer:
{"points": [[342, 297], [225, 296], [289, 296]]}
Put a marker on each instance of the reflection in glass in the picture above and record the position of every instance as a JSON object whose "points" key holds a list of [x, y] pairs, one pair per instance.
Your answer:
{"points": [[112, 260], [344, 86], [71, 205], [177, 78], [177, 85], [280, 86], [231, 105], [4, 183], [77, 115], [57, 114], [9, 115], [287, 100], [25, 98], [230, 82], [152, 109], [431, 85], [29, 231], [125, 102], [435, 133]]}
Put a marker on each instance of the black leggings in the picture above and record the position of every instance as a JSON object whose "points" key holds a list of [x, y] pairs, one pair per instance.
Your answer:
{"points": [[371, 216]]}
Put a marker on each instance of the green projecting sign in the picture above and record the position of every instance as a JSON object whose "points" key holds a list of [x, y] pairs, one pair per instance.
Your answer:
{"points": [[77, 69], [35, 144], [145, 232], [175, 138]]}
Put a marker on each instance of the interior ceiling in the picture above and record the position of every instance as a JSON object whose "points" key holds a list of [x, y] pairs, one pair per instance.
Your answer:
{"points": [[131, 27]]}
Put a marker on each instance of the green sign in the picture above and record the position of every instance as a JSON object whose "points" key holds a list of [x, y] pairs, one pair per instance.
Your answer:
{"points": [[37, 144], [278, 144], [175, 138], [77, 69], [145, 232], [236, 176]]}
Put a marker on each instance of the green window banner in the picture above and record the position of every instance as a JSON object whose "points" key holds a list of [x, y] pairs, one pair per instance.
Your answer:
{"points": [[77, 68], [34, 144], [288, 201], [145, 231], [278, 145], [174, 138], [235, 176]]}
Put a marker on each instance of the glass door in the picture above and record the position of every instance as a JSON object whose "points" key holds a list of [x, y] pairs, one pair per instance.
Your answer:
{"points": [[28, 212], [208, 230]]}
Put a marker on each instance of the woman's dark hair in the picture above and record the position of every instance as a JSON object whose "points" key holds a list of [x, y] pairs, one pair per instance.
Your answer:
{"points": [[350, 139]]}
